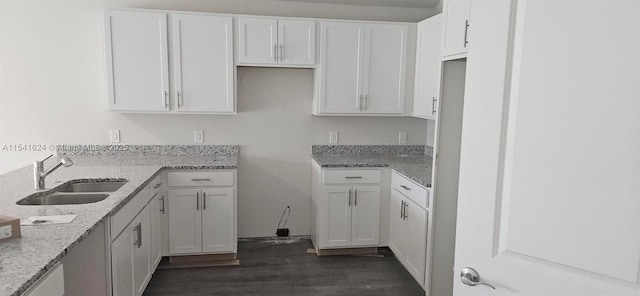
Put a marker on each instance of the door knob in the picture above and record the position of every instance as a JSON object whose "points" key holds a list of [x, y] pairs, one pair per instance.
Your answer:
{"points": [[471, 277]]}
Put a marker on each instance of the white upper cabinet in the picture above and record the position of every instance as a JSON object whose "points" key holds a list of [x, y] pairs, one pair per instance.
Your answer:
{"points": [[362, 69], [455, 39], [428, 68], [138, 54], [270, 42], [203, 63], [137, 61]]}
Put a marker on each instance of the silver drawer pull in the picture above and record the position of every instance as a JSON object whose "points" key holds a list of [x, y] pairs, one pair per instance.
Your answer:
{"points": [[157, 186], [405, 188], [353, 177], [201, 179]]}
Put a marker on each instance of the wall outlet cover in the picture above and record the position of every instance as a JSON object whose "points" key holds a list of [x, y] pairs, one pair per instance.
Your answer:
{"points": [[114, 136], [198, 136], [333, 137], [402, 137]]}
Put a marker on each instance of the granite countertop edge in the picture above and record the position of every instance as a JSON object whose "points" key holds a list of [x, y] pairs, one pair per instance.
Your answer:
{"points": [[19, 289]]}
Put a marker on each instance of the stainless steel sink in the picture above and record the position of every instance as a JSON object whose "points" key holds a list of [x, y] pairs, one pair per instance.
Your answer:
{"points": [[81, 191], [58, 198], [104, 186]]}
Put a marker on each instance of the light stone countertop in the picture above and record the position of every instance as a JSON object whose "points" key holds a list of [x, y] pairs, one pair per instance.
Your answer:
{"points": [[23, 261], [415, 167]]}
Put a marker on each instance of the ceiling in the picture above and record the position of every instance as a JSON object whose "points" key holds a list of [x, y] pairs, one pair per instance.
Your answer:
{"points": [[388, 3]]}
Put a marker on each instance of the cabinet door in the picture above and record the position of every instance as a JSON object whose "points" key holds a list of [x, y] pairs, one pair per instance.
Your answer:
{"points": [[341, 57], [137, 61], [415, 255], [297, 41], [122, 263], [336, 216], [218, 220], [185, 221], [385, 59], [203, 63], [142, 252], [155, 224], [428, 68], [398, 231], [456, 22], [365, 216], [257, 40]]}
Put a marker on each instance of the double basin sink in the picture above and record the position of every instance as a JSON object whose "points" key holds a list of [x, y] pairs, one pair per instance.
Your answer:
{"points": [[81, 191]]}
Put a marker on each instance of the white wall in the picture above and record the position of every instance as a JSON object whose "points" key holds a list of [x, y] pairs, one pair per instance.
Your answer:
{"points": [[52, 90]]}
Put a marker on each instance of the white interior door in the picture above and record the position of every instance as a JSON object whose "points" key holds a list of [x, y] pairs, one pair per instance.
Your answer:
{"points": [[203, 63], [550, 169]]}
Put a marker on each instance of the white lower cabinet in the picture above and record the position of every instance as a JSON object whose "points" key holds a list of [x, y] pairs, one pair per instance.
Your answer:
{"points": [[346, 208], [202, 220], [51, 284], [131, 257], [409, 221], [135, 248]]}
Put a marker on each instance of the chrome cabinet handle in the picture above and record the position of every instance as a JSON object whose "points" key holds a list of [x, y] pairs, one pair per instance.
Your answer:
{"points": [[466, 31], [180, 98], [157, 186], [349, 199], [402, 210], [200, 179], [138, 230], [197, 200], [165, 102], [405, 188], [281, 51], [162, 209], [433, 106], [359, 103], [355, 198], [471, 277], [406, 206], [366, 102], [204, 201], [353, 177], [275, 52]]}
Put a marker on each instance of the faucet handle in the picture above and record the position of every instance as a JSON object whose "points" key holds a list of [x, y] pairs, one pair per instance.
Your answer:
{"points": [[47, 158]]}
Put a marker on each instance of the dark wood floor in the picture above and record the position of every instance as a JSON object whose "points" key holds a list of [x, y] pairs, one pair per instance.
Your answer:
{"points": [[283, 267]]}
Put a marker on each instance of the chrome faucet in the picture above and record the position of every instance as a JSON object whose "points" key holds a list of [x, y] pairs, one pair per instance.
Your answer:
{"points": [[39, 173]]}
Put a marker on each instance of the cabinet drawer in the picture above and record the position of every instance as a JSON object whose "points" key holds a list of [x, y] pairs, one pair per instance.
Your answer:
{"points": [[410, 189], [154, 186], [351, 176], [200, 179]]}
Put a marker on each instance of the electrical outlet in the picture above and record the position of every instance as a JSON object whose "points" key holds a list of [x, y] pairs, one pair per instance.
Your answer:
{"points": [[402, 137], [333, 137], [114, 136], [198, 136]]}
